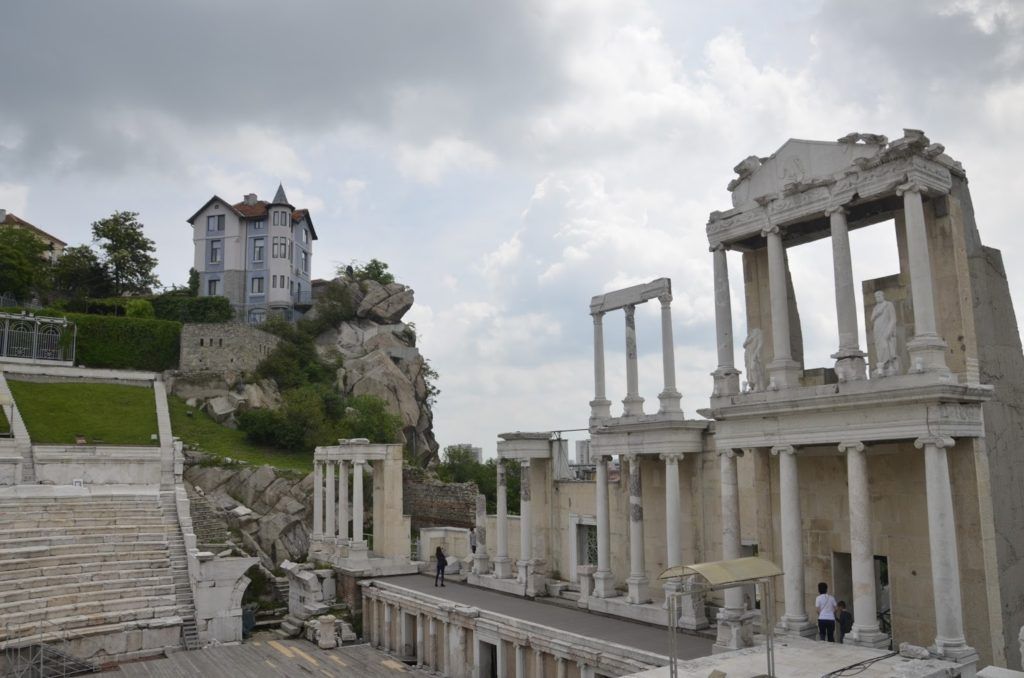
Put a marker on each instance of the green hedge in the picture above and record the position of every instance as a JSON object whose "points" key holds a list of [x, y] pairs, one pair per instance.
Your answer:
{"points": [[192, 309], [126, 343]]}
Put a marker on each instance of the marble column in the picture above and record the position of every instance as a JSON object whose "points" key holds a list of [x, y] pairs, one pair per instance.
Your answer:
{"points": [[538, 662], [633, 404], [525, 524], [862, 555], [673, 550], [343, 502], [849, 358], [927, 350], [318, 501], [420, 655], [560, 667], [783, 371], [795, 620], [520, 661], [501, 657], [357, 502], [637, 592], [388, 628], [600, 406], [330, 510], [949, 622], [445, 657], [502, 562], [481, 561], [730, 521], [431, 653], [604, 580], [670, 397], [727, 377]]}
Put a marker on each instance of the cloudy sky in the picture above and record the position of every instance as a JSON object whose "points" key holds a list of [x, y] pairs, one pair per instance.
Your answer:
{"points": [[508, 159]]}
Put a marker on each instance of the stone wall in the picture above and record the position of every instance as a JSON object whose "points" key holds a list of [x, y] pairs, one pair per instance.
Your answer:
{"points": [[221, 347], [434, 503]]}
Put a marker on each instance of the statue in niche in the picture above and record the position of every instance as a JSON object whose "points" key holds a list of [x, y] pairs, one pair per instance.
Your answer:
{"points": [[883, 328], [752, 348]]}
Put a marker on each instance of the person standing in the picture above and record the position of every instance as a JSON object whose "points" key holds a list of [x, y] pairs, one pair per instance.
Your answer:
{"points": [[826, 606], [472, 541], [442, 563], [844, 621]]}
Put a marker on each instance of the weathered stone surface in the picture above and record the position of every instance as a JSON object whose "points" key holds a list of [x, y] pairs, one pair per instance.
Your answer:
{"points": [[377, 375]]}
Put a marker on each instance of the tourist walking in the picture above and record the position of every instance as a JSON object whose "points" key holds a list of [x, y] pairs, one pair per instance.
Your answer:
{"points": [[442, 563], [472, 541], [844, 621], [826, 606]]}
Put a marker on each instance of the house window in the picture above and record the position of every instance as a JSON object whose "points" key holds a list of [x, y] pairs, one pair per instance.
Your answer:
{"points": [[291, 286], [305, 262], [256, 286], [216, 251], [258, 246], [257, 316], [215, 223], [305, 236], [259, 224], [285, 220], [290, 252], [212, 288]]}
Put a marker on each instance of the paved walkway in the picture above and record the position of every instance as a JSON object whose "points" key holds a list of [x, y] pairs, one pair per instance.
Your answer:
{"points": [[269, 657], [623, 632]]}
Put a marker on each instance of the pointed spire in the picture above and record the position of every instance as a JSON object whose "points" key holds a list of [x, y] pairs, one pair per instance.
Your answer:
{"points": [[280, 198]]}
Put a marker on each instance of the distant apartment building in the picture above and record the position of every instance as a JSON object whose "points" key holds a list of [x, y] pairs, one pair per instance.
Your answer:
{"points": [[55, 246], [256, 253]]}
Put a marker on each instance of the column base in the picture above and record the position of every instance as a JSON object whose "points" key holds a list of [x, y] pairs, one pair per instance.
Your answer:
{"points": [[670, 402], [531, 575], [632, 406], [358, 550], [481, 562], [803, 628], [503, 568], [867, 637], [727, 381], [604, 585], [850, 365], [783, 374], [958, 652], [601, 409], [691, 607], [735, 630], [637, 592], [927, 354]]}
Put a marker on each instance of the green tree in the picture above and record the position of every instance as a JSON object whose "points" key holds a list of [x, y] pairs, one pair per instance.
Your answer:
{"points": [[193, 282], [374, 270], [460, 466], [23, 270], [80, 274], [128, 253]]}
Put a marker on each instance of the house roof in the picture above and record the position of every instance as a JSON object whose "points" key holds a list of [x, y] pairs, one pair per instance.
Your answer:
{"points": [[13, 220], [259, 210], [280, 198]]}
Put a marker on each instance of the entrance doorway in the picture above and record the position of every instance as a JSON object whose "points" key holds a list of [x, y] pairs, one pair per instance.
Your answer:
{"points": [[488, 659], [842, 585], [586, 544]]}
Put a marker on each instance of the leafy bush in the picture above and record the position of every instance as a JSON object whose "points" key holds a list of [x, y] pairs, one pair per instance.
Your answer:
{"points": [[260, 426], [294, 362], [126, 343], [139, 308], [375, 269], [188, 309], [333, 305]]}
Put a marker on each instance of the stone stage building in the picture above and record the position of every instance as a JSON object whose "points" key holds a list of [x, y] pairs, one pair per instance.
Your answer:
{"points": [[896, 474]]}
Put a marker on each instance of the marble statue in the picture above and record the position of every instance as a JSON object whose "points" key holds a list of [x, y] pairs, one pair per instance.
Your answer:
{"points": [[883, 327], [752, 349]]}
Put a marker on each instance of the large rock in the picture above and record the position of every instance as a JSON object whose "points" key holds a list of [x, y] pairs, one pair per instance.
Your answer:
{"points": [[376, 374], [385, 303]]}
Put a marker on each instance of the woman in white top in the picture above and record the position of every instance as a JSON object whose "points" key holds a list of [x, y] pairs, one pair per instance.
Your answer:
{"points": [[826, 606]]}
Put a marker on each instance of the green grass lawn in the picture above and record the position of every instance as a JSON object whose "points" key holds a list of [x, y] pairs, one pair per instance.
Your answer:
{"points": [[103, 413], [5, 426], [204, 433]]}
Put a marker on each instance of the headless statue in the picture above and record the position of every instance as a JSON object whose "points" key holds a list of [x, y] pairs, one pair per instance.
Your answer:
{"points": [[883, 328]]}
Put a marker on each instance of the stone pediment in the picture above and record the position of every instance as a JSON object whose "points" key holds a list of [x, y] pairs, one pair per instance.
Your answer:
{"points": [[798, 164]]}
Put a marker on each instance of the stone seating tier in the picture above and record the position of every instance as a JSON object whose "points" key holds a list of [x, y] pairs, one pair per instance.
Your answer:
{"points": [[90, 566]]}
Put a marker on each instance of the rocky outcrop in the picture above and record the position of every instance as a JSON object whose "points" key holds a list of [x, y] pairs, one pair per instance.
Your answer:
{"points": [[277, 523], [223, 395], [380, 358]]}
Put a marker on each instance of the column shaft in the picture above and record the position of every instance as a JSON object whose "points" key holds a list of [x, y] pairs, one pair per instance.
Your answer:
{"points": [[520, 661], [502, 563], [792, 538], [730, 521], [599, 407], [849, 357], [318, 500], [343, 501], [927, 350], [330, 509], [633, 404], [525, 524], [673, 555], [357, 501], [670, 397], [431, 649], [726, 376], [603, 578], [637, 581], [783, 370], [862, 558], [949, 623]]}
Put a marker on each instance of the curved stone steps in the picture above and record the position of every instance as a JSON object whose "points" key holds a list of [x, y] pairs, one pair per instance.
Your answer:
{"points": [[80, 598], [16, 629], [99, 575], [50, 587], [77, 633], [7, 542], [74, 568]]}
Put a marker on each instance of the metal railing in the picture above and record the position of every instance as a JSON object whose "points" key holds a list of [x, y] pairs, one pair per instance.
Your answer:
{"points": [[40, 651]]}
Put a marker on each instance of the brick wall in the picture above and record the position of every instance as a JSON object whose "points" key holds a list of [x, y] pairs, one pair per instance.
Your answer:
{"points": [[219, 347], [432, 503]]}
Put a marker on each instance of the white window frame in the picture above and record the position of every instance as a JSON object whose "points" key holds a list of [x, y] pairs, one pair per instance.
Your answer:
{"points": [[257, 286], [215, 223], [211, 288], [259, 249], [217, 251]]}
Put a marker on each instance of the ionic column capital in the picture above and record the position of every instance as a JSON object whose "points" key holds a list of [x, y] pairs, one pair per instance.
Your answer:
{"points": [[671, 457], [602, 458], [629, 310], [911, 186], [598, 317], [728, 452], [835, 209], [665, 299], [719, 247], [941, 442], [850, 446], [770, 229], [778, 450], [629, 457]]}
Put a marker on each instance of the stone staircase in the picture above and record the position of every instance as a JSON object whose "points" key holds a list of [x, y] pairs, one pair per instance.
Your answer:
{"points": [[209, 525], [86, 566], [179, 567], [19, 440]]}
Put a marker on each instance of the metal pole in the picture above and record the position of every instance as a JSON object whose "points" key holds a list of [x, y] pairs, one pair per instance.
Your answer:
{"points": [[673, 618]]}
